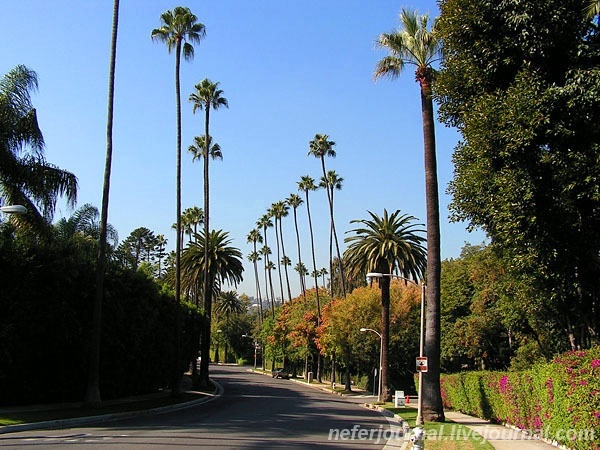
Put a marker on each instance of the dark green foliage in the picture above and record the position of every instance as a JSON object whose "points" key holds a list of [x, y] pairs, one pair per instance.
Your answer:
{"points": [[521, 81], [46, 292]]}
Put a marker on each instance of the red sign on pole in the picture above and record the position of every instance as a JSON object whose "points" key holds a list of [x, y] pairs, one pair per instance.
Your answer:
{"points": [[421, 363]]}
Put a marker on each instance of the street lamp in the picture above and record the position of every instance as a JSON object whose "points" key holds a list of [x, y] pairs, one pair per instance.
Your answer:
{"points": [[13, 209], [380, 358], [419, 420]]}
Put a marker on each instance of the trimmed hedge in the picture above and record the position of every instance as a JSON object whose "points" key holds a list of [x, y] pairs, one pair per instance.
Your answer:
{"points": [[559, 401]]}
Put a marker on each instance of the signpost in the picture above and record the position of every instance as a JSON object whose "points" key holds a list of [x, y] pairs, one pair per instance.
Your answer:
{"points": [[422, 364]]}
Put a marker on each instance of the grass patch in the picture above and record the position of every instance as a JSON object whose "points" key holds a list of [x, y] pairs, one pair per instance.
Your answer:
{"points": [[110, 407], [443, 435]]}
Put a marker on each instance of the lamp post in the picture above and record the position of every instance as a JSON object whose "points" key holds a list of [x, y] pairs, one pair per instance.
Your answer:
{"points": [[13, 209], [419, 420], [380, 358]]}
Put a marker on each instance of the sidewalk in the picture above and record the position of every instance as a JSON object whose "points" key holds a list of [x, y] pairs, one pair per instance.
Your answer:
{"points": [[499, 436]]}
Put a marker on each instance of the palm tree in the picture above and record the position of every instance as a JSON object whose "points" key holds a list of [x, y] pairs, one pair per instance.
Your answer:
{"points": [[179, 29], [279, 210], [333, 182], [92, 396], [294, 200], [269, 267], [302, 272], [591, 8], [265, 222], [414, 44], [206, 97], [320, 147], [224, 264], [228, 303], [25, 176], [256, 238], [322, 274], [388, 244], [307, 184]]}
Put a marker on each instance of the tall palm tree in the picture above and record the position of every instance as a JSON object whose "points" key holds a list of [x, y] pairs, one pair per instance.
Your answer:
{"points": [[256, 238], [273, 213], [25, 176], [414, 44], [280, 210], [92, 396], [265, 222], [388, 244], [320, 147], [207, 96], [224, 264], [179, 30], [302, 272], [322, 274], [269, 268], [294, 200], [307, 184], [332, 182]]}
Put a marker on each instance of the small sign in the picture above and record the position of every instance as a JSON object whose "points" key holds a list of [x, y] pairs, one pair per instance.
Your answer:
{"points": [[421, 363]]}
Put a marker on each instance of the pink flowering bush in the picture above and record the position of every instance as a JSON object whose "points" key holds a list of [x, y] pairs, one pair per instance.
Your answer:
{"points": [[558, 400]]}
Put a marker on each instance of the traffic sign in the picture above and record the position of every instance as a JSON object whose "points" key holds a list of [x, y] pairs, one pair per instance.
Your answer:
{"points": [[421, 363]]}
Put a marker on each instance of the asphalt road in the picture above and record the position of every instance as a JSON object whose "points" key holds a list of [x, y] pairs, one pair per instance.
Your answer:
{"points": [[255, 412]]}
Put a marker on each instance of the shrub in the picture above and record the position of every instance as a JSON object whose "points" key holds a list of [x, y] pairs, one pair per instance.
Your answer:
{"points": [[559, 400]]}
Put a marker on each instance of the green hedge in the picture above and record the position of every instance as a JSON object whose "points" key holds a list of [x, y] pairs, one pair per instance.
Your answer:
{"points": [[559, 400]]}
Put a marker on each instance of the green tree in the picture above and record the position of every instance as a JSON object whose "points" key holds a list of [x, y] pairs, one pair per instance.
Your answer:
{"points": [[228, 304], [265, 222], [387, 244], [320, 147], [526, 168], [413, 43], [26, 178], [179, 30]]}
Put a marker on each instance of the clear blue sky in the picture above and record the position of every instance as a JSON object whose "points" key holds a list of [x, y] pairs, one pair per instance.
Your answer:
{"points": [[289, 69]]}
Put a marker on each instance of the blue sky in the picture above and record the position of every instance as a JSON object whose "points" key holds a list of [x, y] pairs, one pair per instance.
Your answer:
{"points": [[289, 69]]}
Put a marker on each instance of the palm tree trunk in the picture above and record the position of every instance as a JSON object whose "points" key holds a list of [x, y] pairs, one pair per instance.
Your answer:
{"points": [[337, 248], [432, 400], [386, 393], [176, 376], [279, 263], [312, 247], [285, 267], [206, 283], [302, 281], [93, 389]]}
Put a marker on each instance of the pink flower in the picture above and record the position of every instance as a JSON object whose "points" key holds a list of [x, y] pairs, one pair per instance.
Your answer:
{"points": [[595, 363]]}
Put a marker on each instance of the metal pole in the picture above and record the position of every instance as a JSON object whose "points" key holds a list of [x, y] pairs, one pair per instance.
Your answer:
{"points": [[419, 420], [380, 366]]}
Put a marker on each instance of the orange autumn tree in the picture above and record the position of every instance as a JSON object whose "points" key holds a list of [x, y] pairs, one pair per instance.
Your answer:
{"points": [[340, 338]]}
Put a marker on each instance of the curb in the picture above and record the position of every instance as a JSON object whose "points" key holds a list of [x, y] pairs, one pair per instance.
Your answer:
{"points": [[66, 423]]}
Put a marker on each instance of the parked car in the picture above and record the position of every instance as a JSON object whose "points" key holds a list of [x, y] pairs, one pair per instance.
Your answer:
{"points": [[280, 373]]}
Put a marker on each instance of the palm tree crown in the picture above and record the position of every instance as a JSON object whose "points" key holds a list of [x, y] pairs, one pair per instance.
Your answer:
{"points": [[388, 244], [25, 176], [412, 44], [180, 27]]}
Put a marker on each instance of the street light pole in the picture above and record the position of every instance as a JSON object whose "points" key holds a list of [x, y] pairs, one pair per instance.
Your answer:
{"points": [[419, 420], [380, 359]]}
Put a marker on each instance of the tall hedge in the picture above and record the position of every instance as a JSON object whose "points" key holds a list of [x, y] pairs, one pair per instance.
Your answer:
{"points": [[46, 293], [559, 401]]}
